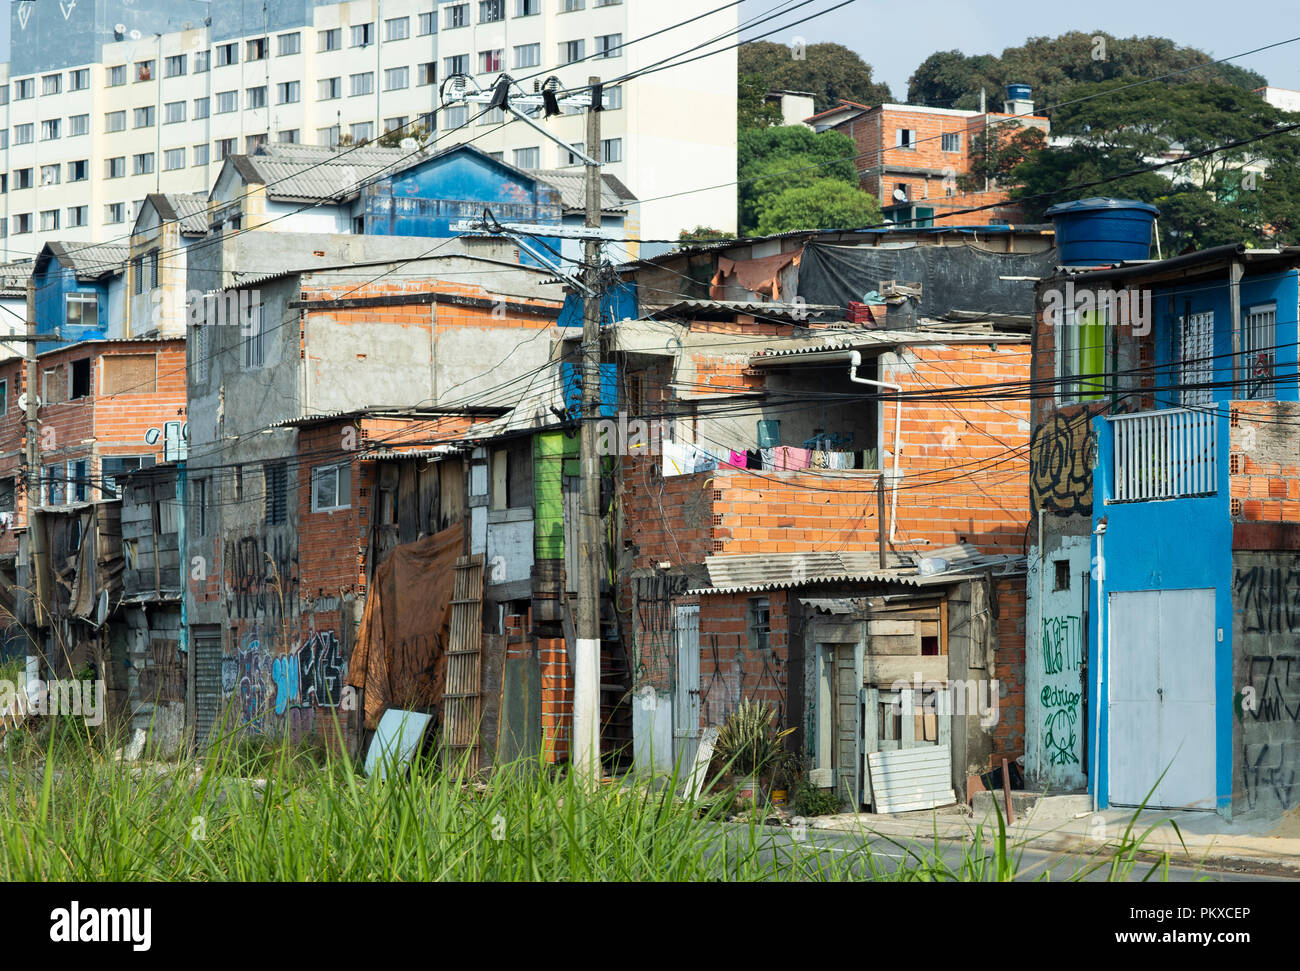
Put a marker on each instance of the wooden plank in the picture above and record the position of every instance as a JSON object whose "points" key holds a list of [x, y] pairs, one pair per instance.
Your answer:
{"points": [[891, 627], [462, 700], [911, 779], [886, 670], [906, 644]]}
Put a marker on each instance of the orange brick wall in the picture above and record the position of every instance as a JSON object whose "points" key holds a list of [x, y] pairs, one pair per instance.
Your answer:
{"points": [[1009, 668], [1263, 464]]}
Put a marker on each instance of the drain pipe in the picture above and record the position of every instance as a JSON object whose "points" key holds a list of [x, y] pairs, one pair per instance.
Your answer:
{"points": [[1100, 533], [855, 361]]}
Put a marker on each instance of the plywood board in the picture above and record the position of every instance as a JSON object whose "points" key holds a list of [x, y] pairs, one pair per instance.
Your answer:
{"points": [[911, 779]]}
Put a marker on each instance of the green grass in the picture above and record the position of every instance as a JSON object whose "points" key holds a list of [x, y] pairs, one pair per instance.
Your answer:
{"points": [[257, 810]]}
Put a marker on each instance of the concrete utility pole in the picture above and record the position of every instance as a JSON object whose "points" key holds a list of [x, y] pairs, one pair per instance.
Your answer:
{"points": [[586, 662], [32, 460]]}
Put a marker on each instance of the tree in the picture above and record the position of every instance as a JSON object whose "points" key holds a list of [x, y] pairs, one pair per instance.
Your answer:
{"points": [[701, 234], [773, 160], [820, 204], [753, 110], [393, 139], [830, 72], [996, 152]]}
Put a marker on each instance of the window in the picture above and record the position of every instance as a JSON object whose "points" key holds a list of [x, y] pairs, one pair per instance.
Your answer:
{"points": [[331, 487], [113, 468], [4, 94], [492, 116], [49, 220], [23, 134], [26, 88], [137, 275], [528, 8], [362, 131], [288, 44], [428, 24], [4, 138], [905, 138], [174, 66], [78, 125], [173, 112], [427, 73], [288, 92], [256, 49], [253, 143], [81, 310], [202, 60], [528, 55], [398, 28], [22, 223], [568, 6], [363, 35], [115, 212], [78, 216], [329, 40], [457, 15], [528, 158], [23, 179], [571, 157], [327, 89], [51, 128], [142, 164], [758, 623], [287, 137], [396, 78], [395, 124], [51, 174], [116, 76], [79, 373], [144, 117], [1081, 350], [951, 141], [173, 158], [52, 84], [6, 485], [329, 137], [609, 45], [457, 64], [572, 50], [4, 410], [54, 485], [1196, 357], [4, 187], [144, 71], [611, 150], [612, 98], [455, 116], [201, 109], [1062, 581], [227, 54], [490, 62], [1258, 351], [275, 482], [200, 154], [253, 345], [608, 3], [257, 97], [115, 168], [79, 170], [79, 80], [227, 101], [490, 11], [363, 84]]}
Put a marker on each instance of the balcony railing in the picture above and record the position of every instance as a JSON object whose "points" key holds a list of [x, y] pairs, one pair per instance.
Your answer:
{"points": [[1167, 454]]}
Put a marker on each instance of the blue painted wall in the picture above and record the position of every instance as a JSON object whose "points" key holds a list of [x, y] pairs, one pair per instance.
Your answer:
{"points": [[53, 283]]}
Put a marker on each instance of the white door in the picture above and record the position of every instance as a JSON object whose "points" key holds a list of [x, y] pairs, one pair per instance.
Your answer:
{"points": [[686, 688], [1161, 698]]}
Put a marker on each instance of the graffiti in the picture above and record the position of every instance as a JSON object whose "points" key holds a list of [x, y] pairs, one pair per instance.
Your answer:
{"points": [[1269, 597], [1061, 458], [284, 673], [1062, 644], [1268, 770], [1060, 739], [263, 578], [252, 686], [229, 675], [320, 671], [1276, 681]]}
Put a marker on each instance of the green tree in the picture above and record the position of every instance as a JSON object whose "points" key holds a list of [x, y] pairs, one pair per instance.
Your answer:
{"points": [[773, 160], [701, 234], [753, 110], [821, 204], [393, 139], [996, 152], [830, 72]]}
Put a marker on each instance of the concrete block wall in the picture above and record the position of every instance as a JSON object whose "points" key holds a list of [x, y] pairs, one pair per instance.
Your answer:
{"points": [[1264, 461]]}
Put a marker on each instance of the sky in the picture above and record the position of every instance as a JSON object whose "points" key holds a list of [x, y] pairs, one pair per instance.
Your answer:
{"points": [[894, 36]]}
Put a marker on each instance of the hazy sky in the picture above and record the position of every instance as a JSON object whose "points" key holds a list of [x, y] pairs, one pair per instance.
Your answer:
{"points": [[894, 36]]}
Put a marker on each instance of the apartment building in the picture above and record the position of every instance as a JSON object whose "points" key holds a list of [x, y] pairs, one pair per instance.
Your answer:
{"points": [[105, 102]]}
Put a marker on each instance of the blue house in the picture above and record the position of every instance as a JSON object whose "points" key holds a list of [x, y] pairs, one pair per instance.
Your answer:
{"points": [[79, 292], [1163, 648]]}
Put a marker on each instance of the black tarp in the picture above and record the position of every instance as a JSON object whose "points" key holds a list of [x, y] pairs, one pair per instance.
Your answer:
{"points": [[951, 277]]}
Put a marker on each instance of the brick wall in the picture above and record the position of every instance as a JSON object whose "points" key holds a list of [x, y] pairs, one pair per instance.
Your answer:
{"points": [[1009, 669], [1264, 462]]}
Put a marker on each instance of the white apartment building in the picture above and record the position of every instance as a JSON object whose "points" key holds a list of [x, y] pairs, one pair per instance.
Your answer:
{"points": [[168, 92]]}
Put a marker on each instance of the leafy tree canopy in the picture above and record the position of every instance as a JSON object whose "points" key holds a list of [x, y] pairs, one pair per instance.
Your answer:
{"points": [[771, 161], [820, 204], [830, 72]]}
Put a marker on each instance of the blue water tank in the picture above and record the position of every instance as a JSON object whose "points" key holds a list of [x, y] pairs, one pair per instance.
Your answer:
{"points": [[1097, 231], [1019, 92]]}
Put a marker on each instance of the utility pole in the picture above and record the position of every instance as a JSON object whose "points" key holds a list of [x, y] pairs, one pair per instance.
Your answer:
{"points": [[32, 457], [586, 663]]}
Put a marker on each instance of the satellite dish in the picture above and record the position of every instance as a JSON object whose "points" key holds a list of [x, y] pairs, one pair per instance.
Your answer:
{"points": [[101, 612], [119, 29], [900, 195], [409, 144]]}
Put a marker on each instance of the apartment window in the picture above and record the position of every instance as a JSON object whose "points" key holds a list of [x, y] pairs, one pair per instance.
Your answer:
{"points": [[79, 378], [51, 174], [457, 64], [116, 76], [49, 220], [329, 40], [363, 35], [227, 101], [608, 3], [428, 24], [55, 480], [79, 170], [612, 98], [115, 212], [492, 116], [1258, 351], [609, 45], [144, 117], [200, 154], [490, 62], [256, 49], [78, 216], [7, 486], [23, 178], [457, 15], [396, 78], [174, 66], [253, 143], [759, 623], [202, 61], [4, 94], [142, 164], [173, 158], [275, 482], [114, 468], [905, 138], [395, 124], [24, 89], [362, 131], [22, 223], [571, 157], [4, 138], [227, 54], [288, 137], [568, 6], [201, 109], [611, 150], [398, 28], [528, 158], [951, 141], [78, 125], [23, 134], [115, 168], [331, 487], [427, 73], [51, 129], [528, 8], [173, 112], [4, 187], [288, 92], [363, 84], [288, 44], [572, 50], [490, 11], [455, 116], [253, 345], [257, 97], [52, 84], [327, 89], [144, 70], [428, 119], [329, 137]]}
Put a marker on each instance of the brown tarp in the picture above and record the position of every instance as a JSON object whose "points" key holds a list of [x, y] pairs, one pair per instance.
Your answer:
{"points": [[761, 276], [401, 651]]}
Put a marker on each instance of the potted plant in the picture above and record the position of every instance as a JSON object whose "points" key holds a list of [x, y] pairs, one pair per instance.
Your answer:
{"points": [[749, 744]]}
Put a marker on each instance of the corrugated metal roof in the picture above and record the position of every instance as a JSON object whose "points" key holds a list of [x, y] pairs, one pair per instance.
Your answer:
{"points": [[314, 172], [835, 606], [777, 311], [848, 340], [413, 453], [572, 183], [90, 262], [755, 572]]}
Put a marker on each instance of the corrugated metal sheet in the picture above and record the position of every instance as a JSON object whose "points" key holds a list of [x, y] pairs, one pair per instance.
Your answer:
{"points": [[573, 189], [848, 340], [835, 606], [758, 308], [90, 262]]}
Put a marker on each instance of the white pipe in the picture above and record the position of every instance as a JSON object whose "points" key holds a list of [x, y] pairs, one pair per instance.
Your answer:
{"points": [[1100, 533], [855, 361]]}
